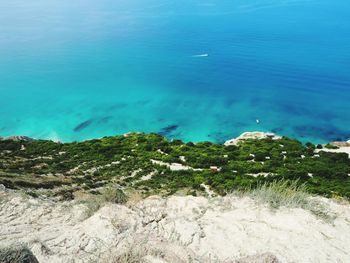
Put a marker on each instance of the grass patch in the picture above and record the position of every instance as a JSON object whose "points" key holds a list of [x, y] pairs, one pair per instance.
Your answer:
{"points": [[113, 195], [281, 193], [132, 254], [136, 250], [290, 194], [109, 195]]}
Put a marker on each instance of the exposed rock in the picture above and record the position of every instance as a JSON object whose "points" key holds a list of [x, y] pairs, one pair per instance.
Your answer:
{"points": [[19, 138], [252, 135], [174, 230], [261, 174], [175, 166]]}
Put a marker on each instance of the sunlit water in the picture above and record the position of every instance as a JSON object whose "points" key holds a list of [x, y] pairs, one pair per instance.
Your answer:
{"points": [[189, 69]]}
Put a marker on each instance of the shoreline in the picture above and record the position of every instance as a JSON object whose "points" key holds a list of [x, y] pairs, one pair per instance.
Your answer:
{"points": [[124, 196], [141, 160], [245, 135], [334, 146]]}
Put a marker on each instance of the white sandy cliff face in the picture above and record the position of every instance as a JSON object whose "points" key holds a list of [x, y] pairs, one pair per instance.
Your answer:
{"points": [[176, 229]]}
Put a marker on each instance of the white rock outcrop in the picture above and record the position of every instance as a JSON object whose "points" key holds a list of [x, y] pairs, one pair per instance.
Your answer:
{"points": [[174, 230], [17, 138], [252, 135]]}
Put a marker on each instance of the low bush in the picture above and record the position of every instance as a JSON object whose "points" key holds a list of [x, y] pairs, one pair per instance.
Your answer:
{"points": [[92, 165], [114, 195], [108, 195], [17, 254]]}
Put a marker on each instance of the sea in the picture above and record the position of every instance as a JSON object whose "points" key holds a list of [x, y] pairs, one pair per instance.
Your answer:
{"points": [[195, 70]]}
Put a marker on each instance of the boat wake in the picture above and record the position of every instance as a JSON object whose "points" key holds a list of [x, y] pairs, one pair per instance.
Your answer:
{"points": [[200, 56]]}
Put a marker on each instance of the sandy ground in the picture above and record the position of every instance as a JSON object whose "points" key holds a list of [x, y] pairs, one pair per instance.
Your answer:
{"points": [[176, 229]]}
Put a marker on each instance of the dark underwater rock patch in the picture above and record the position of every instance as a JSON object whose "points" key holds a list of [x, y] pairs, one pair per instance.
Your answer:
{"points": [[294, 110], [117, 106], [104, 119], [230, 102], [326, 116], [219, 137], [167, 130], [83, 125], [256, 101], [142, 102], [277, 130], [327, 133]]}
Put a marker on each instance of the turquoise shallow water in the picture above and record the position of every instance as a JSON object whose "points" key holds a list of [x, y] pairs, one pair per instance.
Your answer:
{"points": [[80, 69]]}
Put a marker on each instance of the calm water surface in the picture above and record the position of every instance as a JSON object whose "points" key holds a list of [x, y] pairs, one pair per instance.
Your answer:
{"points": [[189, 69]]}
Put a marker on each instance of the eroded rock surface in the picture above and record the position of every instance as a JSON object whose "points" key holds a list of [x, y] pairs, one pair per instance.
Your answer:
{"points": [[174, 230], [252, 136]]}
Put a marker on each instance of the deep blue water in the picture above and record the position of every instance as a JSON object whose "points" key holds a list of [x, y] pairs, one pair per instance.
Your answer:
{"points": [[80, 69]]}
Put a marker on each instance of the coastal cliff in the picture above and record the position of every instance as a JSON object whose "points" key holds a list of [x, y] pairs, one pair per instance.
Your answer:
{"points": [[142, 198]]}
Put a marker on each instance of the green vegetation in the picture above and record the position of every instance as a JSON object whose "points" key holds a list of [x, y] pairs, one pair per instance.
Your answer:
{"points": [[281, 193], [113, 195], [107, 195], [330, 146], [289, 194], [20, 254], [141, 162]]}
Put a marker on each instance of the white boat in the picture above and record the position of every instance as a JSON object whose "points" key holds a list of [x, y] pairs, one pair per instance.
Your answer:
{"points": [[201, 55]]}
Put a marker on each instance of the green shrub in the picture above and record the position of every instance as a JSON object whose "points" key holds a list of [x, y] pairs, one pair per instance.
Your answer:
{"points": [[330, 146], [19, 254], [115, 158], [114, 195]]}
